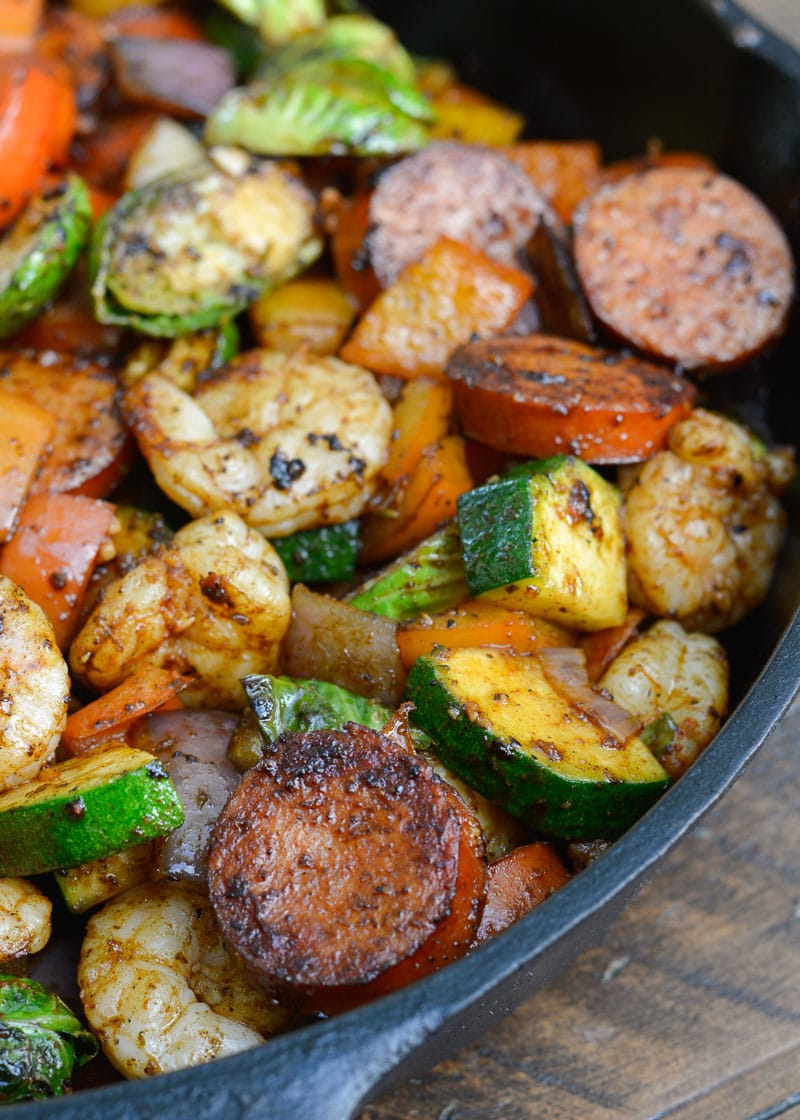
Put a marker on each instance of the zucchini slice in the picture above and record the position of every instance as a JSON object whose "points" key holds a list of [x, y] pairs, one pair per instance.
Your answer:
{"points": [[85, 809], [503, 727], [320, 555], [547, 538], [38, 253], [194, 249], [428, 578], [90, 884]]}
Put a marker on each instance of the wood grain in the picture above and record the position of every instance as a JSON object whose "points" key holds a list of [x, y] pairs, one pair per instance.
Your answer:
{"points": [[690, 1007]]}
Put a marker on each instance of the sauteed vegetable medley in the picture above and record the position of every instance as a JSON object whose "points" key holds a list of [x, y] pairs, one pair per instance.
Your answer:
{"points": [[368, 539]]}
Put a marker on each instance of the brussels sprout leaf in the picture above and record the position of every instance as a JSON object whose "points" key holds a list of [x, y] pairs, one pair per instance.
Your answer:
{"points": [[283, 705], [323, 107], [41, 1041]]}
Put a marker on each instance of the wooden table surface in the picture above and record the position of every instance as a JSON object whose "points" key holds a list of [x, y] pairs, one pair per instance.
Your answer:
{"points": [[690, 1006]]}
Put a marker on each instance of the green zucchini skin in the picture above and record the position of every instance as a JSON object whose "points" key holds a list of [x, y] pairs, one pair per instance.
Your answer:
{"points": [[39, 252], [321, 555], [547, 538], [522, 778], [84, 809], [430, 577]]}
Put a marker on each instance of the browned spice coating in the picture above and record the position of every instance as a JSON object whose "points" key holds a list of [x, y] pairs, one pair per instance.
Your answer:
{"points": [[335, 859]]}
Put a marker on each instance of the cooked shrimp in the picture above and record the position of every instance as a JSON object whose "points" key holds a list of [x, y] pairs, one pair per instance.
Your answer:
{"points": [[288, 441], [686, 675], [24, 919], [213, 603], [704, 524], [159, 988], [34, 687]]}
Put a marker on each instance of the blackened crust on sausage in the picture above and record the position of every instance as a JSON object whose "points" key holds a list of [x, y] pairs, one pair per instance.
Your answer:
{"points": [[558, 371], [335, 858], [461, 191], [686, 265]]}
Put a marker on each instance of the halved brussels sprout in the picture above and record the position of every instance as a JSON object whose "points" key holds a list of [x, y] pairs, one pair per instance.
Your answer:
{"points": [[38, 253], [41, 1041], [193, 250], [332, 106]]}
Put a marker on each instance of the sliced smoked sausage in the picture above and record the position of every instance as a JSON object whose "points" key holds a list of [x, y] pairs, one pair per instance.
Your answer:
{"points": [[686, 265], [338, 858], [461, 191]]}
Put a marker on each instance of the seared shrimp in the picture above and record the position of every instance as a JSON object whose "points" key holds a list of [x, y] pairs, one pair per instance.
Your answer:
{"points": [[667, 670], [159, 988], [213, 603], [24, 919], [288, 441], [704, 524], [34, 687]]}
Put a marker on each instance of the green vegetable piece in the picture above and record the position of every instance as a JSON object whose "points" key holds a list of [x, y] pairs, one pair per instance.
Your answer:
{"points": [[320, 555], [192, 250], [92, 883], [343, 38], [547, 538], [41, 1041], [84, 809], [279, 21], [38, 252], [285, 704], [334, 107], [660, 734], [428, 578], [502, 726]]}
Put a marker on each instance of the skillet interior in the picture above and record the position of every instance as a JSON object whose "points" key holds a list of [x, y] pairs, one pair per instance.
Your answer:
{"points": [[695, 75]]}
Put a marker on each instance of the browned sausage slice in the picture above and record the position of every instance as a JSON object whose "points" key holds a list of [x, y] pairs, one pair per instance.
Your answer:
{"points": [[336, 859], [461, 191], [686, 265], [540, 395]]}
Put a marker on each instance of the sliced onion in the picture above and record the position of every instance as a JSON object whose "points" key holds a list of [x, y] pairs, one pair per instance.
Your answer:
{"points": [[332, 641], [177, 76], [192, 746], [566, 670]]}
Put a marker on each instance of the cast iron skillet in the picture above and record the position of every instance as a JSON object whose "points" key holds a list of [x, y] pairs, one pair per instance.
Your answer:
{"points": [[697, 74]]}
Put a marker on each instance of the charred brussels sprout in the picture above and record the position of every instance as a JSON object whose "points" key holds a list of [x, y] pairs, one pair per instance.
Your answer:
{"points": [[327, 106], [37, 254], [41, 1041], [193, 250], [347, 86]]}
